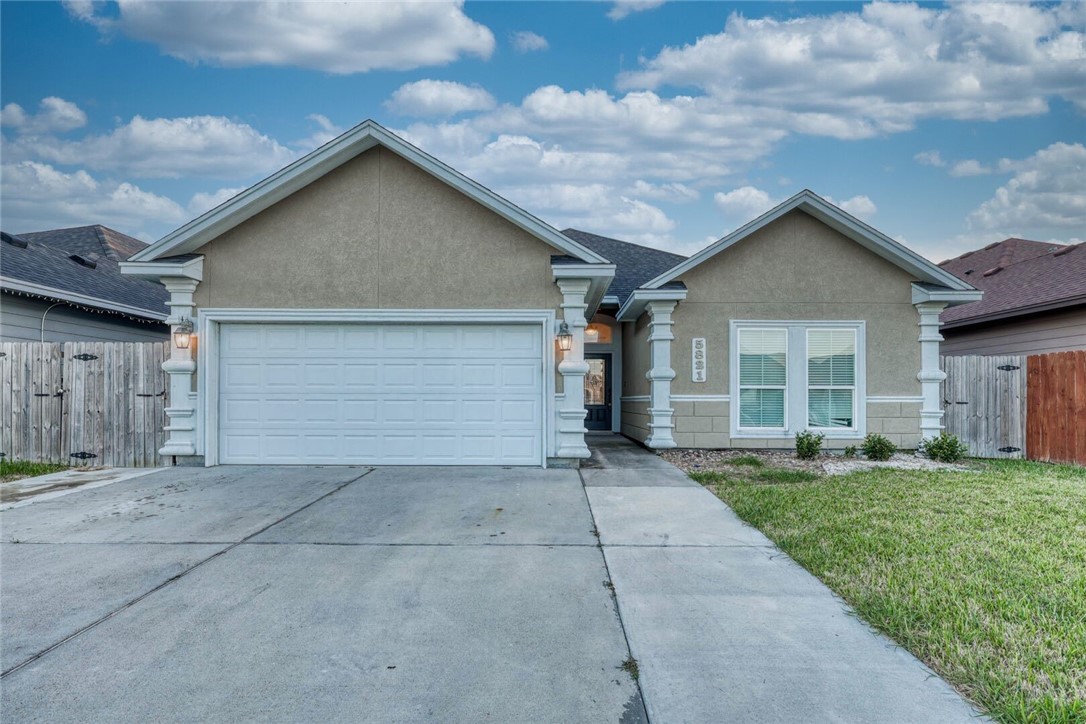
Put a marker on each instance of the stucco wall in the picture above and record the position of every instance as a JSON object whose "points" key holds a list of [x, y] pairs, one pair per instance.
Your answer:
{"points": [[794, 269], [377, 233]]}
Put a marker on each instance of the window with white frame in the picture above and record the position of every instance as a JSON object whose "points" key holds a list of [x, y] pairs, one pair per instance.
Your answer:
{"points": [[831, 378], [792, 376], [763, 379]]}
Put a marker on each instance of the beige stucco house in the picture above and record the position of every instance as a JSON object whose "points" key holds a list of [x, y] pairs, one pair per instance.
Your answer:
{"points": [[370, 305]]}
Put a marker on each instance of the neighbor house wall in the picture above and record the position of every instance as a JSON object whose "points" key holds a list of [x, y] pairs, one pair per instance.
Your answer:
{"points": [[796, 268], [1057, 331], [20, 320]]}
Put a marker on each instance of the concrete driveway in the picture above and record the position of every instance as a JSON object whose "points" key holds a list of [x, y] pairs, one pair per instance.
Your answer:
{"points": [[408, 594]]}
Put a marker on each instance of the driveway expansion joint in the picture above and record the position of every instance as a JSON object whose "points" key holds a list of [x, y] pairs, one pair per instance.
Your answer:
{"points": [[172, 579]]}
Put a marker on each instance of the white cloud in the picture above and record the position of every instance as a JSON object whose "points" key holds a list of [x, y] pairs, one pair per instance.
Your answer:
{"points": [[882, 69], [38, 196], [438, 98], [970, 167], [861, 206], [744, 203], [212, 146], [203, 201], [525, 41], [674, 192], [55, 115], [622, 8], [325, 131], [1047, 193], [350, 37], [930, 158]]}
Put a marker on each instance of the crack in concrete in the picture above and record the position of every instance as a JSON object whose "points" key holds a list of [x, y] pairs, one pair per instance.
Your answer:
{"points": [[172, 579]]}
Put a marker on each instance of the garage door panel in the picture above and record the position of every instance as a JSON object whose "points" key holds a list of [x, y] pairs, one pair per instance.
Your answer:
{"points": [[381, 394]]}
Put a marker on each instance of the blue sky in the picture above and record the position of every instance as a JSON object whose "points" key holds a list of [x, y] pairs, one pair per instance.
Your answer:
{"points": [[665, 123]]}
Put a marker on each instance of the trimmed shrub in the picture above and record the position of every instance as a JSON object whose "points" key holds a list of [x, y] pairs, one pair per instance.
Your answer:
{"points": [[945, 448], [808, 444], [877, 447], [850, 451]]}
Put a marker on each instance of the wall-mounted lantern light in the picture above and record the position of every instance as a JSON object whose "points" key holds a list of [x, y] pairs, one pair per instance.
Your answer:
{"points": [[182, 334], [565, 338]]}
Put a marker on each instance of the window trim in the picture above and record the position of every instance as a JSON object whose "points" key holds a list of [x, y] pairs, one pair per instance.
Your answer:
{"points": [[807, 387], [739, 387], [796, 403]]}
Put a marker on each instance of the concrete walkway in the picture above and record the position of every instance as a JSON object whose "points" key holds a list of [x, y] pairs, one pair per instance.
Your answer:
{"points": [[725, 627]]}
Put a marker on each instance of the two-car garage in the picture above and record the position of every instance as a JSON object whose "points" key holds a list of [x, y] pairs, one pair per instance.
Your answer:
{"points": [[343, 393]]}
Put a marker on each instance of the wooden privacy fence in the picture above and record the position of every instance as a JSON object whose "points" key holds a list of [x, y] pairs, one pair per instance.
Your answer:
{"points": [[1014, 406], [1056, 407], [83, 403]]}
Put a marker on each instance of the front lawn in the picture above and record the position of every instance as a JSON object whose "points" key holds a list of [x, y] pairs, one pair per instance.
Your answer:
{"points": [[981, 574], [19, 469]]}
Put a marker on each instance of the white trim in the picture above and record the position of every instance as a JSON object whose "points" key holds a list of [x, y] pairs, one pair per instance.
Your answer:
{"points": [[17, 285], [208, 351], [701, 398], [639, 299], [796, 407], [188, 268], [599, 278], [875, 399], [836, 219], [952, 297], [636, 398], [331, 155]]}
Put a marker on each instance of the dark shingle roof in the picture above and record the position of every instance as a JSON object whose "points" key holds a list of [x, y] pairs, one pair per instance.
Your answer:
{"points": [[46, 260], [1017, 276], [634, 264]]}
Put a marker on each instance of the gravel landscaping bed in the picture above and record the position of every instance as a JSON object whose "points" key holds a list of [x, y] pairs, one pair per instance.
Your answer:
{"points": [[825, 464]]}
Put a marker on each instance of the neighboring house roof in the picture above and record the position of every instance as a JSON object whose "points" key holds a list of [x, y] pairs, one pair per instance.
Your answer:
{"points": [[330, 156], [1018, 276], [41, 264], [634, 264], [835, 218]]}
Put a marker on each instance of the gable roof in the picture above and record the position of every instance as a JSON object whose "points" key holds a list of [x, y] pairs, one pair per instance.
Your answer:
{"points": [[328, 157], [837, 219], [1019, 276], [634, 264], [44, 269]]}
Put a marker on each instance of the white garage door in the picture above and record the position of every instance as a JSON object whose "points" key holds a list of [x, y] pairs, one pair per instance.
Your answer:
{"points": [[385, 394]]}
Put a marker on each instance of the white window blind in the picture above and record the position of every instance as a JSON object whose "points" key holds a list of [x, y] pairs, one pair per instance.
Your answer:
{"points": [[763, 377], [831, 378]]}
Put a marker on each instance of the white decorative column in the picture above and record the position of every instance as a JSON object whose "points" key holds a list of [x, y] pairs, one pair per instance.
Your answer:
{"points": [[660, 375], [573, 368], [931, 377], [181, 427]]}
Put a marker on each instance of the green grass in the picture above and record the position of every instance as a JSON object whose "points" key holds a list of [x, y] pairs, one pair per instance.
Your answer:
{"points": [[980, 574], [17, 469], [749, 460]]}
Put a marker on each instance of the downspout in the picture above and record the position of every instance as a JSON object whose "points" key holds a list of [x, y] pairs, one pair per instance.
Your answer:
{"points": [[46, 312]]}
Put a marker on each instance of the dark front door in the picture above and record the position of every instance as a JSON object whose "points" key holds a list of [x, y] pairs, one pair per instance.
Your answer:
{"points": [[597, 392]]}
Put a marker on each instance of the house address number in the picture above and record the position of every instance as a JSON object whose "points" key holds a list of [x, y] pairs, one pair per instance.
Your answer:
{"points": [[699, 359]]}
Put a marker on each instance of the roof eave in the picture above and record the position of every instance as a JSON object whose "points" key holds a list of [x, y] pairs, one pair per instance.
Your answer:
{"points": [[157, 269], [598, 275], [307, 169], [1016, 312], [951, 297], [639, 299], [63, 295]]}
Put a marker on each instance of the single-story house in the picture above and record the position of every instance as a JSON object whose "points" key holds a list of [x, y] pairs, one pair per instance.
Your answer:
{"points": [[1034, 299], [370, 305], [65, 285]]}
